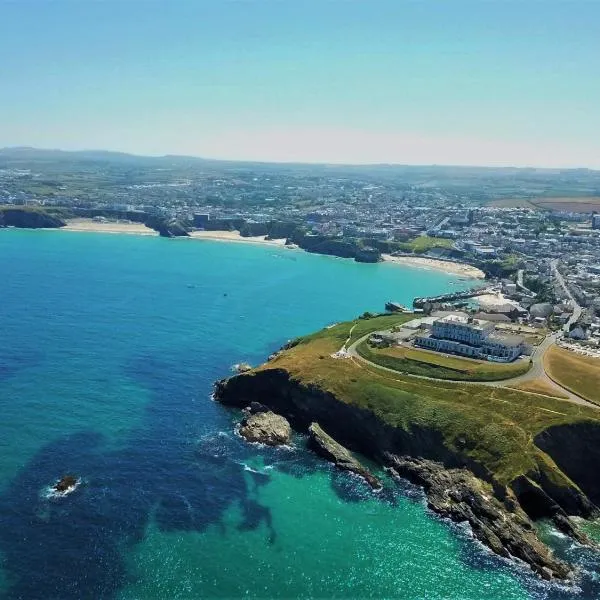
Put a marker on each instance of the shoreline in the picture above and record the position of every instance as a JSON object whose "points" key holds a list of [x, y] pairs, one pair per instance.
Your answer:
{"points": [[130, 228], [234, 236], [421, 262], [90, 226]]}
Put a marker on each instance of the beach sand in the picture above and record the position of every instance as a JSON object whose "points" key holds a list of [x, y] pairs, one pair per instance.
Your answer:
{"points": [[234, 236], [423, 262], [108, 227], [140, 229], [90, 225]]}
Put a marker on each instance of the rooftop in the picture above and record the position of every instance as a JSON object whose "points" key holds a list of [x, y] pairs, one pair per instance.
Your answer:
{"points": [[464, 320], [506, 339]]}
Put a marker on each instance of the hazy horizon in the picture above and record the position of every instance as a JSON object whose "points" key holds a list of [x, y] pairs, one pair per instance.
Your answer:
{"points": [[283, 162], [506, 84]]}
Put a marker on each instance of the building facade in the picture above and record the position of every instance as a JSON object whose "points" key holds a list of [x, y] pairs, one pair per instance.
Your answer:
{"points": [[470, 337]]}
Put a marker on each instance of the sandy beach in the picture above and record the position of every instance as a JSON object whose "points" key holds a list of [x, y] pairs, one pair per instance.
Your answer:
{"points": [[90, 225], [234, 236], [439, 265], [108, 227], [128, 227]]}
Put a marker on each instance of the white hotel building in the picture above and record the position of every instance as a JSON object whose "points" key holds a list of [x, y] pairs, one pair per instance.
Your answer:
{"points": [[470, 337]]}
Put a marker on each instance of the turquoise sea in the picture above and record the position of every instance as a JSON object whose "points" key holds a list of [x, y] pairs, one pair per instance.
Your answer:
{"points": [[109, 345]]}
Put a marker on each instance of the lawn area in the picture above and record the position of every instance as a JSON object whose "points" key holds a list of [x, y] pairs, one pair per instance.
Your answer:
{"points": [[539, 386], [440, 366], [579, 374], [339, 333], [424, 242], [494, 426]]}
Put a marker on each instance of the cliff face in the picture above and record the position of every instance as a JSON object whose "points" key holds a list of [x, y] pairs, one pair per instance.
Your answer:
{"points": [[576, 450], [564, 482], [166, 228], [28, 218]]}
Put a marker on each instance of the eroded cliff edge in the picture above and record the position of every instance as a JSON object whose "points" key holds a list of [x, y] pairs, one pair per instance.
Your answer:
{"points": [[459, 486]]}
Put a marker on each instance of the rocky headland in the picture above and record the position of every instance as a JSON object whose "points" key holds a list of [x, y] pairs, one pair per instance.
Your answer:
{"points": [[29, 218], [475, 465]]}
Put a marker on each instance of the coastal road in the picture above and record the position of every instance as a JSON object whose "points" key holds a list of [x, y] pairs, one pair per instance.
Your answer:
{"points": [[577, 310], [537, 372]]}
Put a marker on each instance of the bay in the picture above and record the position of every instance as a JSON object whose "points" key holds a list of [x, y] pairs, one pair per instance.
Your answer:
{"points": [[109, 345]]}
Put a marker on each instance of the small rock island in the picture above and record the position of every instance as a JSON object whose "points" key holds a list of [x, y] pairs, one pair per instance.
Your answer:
{"points": [[264, 426], [65, 484]]}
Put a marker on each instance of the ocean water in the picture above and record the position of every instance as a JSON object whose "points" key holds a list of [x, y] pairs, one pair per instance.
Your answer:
{"points": [[109, 345]]}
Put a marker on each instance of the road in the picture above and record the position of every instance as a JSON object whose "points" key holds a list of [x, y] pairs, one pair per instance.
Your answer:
{"points": [[537, 372], [521, 285], [577, 310]]}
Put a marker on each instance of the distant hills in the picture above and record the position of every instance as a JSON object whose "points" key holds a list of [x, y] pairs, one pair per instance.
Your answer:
{"points": [[31, 154]]}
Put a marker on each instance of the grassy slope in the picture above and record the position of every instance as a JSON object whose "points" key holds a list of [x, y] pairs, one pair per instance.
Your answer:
{"points": [[493, 426], [432, 364], [580, 374], [424, 242], [539, 386]]}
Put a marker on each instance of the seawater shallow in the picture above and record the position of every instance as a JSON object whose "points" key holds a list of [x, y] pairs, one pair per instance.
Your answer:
{"points": [[109, 347]]}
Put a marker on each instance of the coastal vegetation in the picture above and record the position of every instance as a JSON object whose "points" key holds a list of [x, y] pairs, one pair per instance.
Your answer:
{"points": [[493, 426], [31, 217], [579, 374], [424, 243], [440, 366], [511, 452], [539, 386]]}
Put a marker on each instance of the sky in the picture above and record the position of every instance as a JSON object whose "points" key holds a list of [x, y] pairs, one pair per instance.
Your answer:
{"points": [[486, 82]]}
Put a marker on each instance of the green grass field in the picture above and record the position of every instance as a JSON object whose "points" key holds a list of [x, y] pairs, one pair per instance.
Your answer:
{"points": [[424, 243], [539, 386], [440, 366], [579, 374], [493, 426]]}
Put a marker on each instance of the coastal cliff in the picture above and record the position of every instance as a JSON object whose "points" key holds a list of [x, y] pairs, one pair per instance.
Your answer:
{"points": [[29, 218], [473, 464], [501, 520]]}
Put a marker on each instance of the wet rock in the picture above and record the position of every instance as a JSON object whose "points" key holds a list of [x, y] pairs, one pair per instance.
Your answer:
{"points": [[66, 484], [324, 445], [501, 525], [266, 428], [257, 407]]}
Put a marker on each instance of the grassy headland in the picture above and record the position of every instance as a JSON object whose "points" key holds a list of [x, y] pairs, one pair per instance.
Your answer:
{"points": [[494, 427], [31, 217], [579, 374]]}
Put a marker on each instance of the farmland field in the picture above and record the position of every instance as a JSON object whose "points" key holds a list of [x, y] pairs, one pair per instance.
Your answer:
{"points": [[584, 204]]}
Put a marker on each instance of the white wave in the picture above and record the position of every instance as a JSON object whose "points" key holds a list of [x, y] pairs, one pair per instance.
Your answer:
{"points": [[51, 493]]}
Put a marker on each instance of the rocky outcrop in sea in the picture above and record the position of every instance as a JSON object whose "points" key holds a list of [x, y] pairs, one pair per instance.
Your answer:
{"points": [[324, 445], [264, 426]]}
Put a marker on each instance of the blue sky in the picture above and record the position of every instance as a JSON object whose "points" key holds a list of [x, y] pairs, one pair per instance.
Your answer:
{"points": [[421, 82]]}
